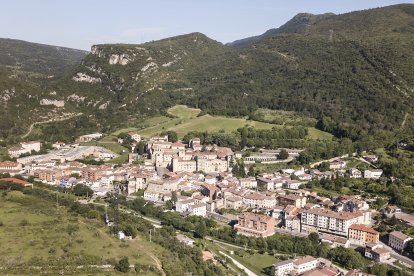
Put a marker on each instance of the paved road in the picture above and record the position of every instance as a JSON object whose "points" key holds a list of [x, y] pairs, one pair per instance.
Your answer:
{"points": [[291, 233], [312, 165], [239, 265], [396, 255]]}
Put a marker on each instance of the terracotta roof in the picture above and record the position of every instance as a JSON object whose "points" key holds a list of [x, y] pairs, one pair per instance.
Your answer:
{"points": [[303, 260], [361, 227], [400, 235], [15, 180], [8, 164]]}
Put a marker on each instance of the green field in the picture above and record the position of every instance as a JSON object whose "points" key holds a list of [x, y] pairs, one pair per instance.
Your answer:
{"points": [[186, 120], [33, 233], [256, 262]]}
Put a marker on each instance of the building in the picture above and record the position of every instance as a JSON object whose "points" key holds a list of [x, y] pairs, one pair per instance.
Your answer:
{"points": [[327, 221], [17, 181], [376, 252], [303, 264], [250, 224], [248, 183], [291, 199], [259, 200], [362, 235], [24, 148], [283, 268], [11, 168], [355, 173], [184, 239], [392, 210], [337, 165], [199, 209], [296, 266], [134, 136], [90, 137], [374, 174], [398, 240]]}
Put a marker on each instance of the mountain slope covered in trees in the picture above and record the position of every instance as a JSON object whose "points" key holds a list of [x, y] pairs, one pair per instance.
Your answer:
{"points": [[352, 72]]}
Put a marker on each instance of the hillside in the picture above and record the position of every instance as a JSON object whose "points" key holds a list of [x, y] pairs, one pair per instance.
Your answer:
{"points": [[26, 72], [35, 57], [352, 72]]}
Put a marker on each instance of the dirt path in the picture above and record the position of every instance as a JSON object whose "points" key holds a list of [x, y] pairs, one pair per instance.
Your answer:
{"points": [[49, 121], [405, 119], [159, 264]]}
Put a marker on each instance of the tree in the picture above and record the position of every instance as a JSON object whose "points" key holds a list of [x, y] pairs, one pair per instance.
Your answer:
{"points": [[123, 265], [172, 135], [410, 248], [201, 229], [129, 230], [283, 154], [314, 237], [174, 197], [82, 190], [140, 148], [251, 171]]}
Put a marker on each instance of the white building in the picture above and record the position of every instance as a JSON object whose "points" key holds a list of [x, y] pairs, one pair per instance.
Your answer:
{"points": [[375, 174], [198, 209], [182, 206], [298, 266], [134, 136], [283, 268], [327, 221], [398, 240], [24, 148]]}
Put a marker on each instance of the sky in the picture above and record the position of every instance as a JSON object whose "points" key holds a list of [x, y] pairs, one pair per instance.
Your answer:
{"points": [[82, 23]]}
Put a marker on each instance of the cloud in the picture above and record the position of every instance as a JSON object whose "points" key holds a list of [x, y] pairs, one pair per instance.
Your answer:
{"points": [[142, 31]]}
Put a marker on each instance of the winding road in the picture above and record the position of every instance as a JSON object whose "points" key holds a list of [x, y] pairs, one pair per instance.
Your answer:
{"points": [[49, 121]]}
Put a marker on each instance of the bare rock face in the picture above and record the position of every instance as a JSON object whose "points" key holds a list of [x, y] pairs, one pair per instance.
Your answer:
{"points": [[82, 77], [56, 103], [122, 59]]}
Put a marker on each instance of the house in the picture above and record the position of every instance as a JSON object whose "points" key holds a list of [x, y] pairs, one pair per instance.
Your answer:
{"points": [[259, 200], [199, 209], [392, 210], [134, 136], [376, 252], [291, 199], [371, 158], [334, 240], [355, 173], [398, 240], [337, 165], [361, 235], [248, 183], [374, 174], [182, 206], [250, 224], [293, 184], [233, 202], [184, 239]]}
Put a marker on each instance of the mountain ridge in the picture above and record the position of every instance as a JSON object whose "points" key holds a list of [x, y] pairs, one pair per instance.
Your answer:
{"points": [[355, 82]]}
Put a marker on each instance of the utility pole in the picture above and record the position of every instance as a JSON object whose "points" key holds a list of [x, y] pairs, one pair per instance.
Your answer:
{"points": [[150, 234], [57, 202], [116, 213]]}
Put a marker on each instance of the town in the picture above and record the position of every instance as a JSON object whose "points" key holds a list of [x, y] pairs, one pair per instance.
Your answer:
{"points": [[198, 179]]}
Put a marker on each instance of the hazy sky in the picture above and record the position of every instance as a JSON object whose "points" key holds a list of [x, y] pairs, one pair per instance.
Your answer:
{"points": [[82, 23]]}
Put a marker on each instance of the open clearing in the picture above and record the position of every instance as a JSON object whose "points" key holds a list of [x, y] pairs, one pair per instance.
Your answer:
{"points": [[186, 120]]}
